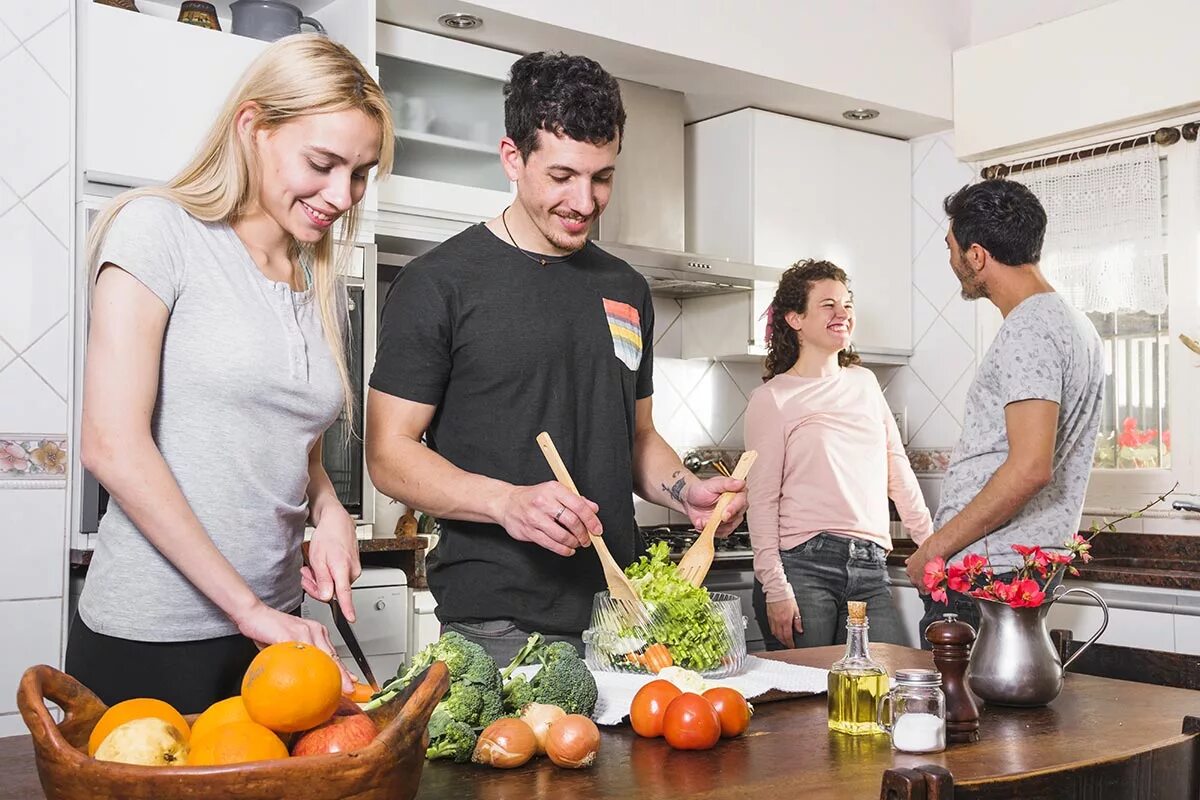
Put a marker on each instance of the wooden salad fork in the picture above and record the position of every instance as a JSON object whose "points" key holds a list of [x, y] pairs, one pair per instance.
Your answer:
{"points": [[699, 557], [620, 590]]}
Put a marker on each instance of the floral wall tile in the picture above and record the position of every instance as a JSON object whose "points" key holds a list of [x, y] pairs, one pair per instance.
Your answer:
{"points": [[26, 457], [929, 461]]}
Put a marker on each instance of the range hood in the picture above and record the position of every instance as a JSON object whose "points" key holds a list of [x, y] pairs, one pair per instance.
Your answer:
{"points": [[643, 223], [675, 274]]}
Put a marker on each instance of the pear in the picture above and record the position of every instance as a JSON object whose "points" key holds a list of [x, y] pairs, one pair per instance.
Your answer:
{"points": [[149, 741]]}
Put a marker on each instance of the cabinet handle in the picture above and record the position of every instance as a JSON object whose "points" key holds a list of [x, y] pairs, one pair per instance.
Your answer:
{"points": [[380, 605]]}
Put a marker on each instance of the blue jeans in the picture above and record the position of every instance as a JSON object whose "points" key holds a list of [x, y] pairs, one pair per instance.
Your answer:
{"points": [[825, 572]]}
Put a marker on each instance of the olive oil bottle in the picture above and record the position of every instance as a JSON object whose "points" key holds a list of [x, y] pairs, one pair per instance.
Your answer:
{"points": [[856, 683]]}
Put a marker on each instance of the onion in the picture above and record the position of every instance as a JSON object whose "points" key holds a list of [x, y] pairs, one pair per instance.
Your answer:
{"points": [[540, 716], [506, 743], [573, 742]]}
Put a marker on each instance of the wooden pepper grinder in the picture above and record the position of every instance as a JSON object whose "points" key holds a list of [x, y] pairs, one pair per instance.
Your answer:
{"points": [[952, 642]]}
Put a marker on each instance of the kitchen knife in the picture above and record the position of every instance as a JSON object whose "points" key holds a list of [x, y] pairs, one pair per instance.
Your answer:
{"points": [[347, 631]]}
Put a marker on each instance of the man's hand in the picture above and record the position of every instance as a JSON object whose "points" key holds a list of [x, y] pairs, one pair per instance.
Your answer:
{"points": [[784, 617], [914, 565], [701, 499], [551, 516]]}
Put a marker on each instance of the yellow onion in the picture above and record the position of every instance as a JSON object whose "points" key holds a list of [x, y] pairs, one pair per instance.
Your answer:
{"points": [[540, 716], [573, 742], [506, 743]]}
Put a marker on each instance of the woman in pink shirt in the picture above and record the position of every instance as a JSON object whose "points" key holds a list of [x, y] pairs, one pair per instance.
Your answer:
{"points": [[829, 456]]}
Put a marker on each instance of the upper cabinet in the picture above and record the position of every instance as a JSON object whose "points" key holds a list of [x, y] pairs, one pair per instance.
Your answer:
{"points": [[771, 189], [151, 87], [448, 106]]}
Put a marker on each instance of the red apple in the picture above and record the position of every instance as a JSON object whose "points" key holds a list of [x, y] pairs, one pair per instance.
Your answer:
{"points": [[348, 729]]}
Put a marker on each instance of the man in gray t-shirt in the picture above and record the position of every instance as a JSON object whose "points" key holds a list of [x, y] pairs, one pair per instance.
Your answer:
{"points": [[1021, 467]]}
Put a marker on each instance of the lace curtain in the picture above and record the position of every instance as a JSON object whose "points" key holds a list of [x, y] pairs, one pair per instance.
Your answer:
{"points": [[1104, 235]]}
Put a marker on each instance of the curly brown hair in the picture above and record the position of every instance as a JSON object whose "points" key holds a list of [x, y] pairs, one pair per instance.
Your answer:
{"points": [[783, 344]]}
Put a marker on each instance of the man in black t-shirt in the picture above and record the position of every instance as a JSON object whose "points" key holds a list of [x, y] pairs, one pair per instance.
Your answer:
{"points": [[516, 326]]}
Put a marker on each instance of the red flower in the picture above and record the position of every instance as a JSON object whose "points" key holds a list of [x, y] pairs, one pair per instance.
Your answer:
{"points": [[974, 564], [1128, 424], [958, 579], [935, 573], [1080, 546], [939, 596], [1060, 558], [1034, 557], [1025, 594]]}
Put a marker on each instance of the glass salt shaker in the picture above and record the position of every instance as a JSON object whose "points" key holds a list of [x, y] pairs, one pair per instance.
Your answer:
{"points": [[914, 712]]}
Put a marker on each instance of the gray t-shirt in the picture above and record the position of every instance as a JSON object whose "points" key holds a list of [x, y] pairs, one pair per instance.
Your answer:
{"points": [[247, 384], [1045, 350]]}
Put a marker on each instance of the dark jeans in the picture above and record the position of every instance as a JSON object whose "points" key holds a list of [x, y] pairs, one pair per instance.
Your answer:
{"points": [[825, 572], [501, 638], [963, 606]]}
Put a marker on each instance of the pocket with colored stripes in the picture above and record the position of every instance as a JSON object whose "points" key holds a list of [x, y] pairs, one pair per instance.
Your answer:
{"points": [[625, 327]]}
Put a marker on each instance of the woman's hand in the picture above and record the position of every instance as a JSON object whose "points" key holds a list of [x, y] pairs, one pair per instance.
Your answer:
{"points": [[264, 626], [333, 560], [784, 617]]}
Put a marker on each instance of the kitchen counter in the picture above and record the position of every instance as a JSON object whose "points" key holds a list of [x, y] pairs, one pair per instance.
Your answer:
{"points": [[1131, 559], [789, 751]]}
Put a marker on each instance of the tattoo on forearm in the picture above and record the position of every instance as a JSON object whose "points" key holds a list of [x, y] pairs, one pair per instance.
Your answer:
{"points": [[676, 489]]}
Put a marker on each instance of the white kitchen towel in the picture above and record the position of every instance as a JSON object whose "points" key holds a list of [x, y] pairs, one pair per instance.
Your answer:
{"points": [[616, 689]]}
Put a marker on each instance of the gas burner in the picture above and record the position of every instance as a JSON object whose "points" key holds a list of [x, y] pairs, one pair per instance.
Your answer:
{"points": [[680, 537]]}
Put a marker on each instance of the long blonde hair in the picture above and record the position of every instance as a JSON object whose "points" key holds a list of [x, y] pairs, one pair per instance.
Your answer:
{"points": [[296, 76]]}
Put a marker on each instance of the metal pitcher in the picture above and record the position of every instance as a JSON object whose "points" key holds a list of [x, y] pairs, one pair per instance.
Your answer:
{"points": [[1014, 662]]}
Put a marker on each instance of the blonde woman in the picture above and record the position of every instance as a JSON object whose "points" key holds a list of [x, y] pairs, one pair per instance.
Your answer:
{"points": [[215, 363]]}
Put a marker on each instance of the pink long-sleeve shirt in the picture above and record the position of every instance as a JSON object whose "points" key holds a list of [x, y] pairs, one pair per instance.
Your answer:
{"points": [[829, 456]]}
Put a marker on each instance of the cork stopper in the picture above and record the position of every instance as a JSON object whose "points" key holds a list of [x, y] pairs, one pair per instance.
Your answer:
{"points": [[856, 611]]}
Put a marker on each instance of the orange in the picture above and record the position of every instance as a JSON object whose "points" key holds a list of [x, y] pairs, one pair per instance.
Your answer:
{"points": [[235, 743], [220, 713], [291, 687], [129, 710]]}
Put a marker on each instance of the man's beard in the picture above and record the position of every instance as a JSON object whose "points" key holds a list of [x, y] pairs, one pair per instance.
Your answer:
{"points": [[972, 287]]}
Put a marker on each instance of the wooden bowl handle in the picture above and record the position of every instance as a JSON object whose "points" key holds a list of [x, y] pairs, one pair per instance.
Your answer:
{"points": [[412, 709], [81, 708]]}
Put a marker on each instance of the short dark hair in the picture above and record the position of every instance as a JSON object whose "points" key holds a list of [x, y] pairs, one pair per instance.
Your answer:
{"points": [[1001, 216], [568, 95]]}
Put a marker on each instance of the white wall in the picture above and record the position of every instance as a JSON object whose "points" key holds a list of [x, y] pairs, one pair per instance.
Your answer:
{"points": [[35, 328], [893, 54], [1103, 69], [991, 19]]}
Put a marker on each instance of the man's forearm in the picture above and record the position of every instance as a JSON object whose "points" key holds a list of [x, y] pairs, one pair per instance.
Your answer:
{"points": [[420, 478], [658, 474], [1005, 494]]}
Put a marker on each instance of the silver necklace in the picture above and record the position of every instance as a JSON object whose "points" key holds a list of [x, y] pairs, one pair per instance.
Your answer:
{"points": [[537, 258]]}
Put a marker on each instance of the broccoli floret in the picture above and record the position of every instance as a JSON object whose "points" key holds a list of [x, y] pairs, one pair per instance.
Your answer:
{"points": [[564, 681], [455, 740], [466, 662], [463, 702], [493, 707]]}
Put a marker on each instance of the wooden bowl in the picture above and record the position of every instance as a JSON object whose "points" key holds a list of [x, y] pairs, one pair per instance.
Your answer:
{"points": [[389, 767]]}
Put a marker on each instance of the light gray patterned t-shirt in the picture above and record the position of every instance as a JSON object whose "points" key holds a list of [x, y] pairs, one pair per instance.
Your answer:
{"points": [[1045, 350], [247, 383]]}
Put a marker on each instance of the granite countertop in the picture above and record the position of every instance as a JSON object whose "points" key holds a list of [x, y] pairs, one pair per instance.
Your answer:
{"points": [[1134, 559]]}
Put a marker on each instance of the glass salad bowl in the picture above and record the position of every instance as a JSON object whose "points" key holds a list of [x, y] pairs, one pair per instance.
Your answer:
{"points": [[707, 638]]}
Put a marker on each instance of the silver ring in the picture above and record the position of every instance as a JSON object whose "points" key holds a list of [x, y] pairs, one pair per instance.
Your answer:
{"points": [[560, 513]]}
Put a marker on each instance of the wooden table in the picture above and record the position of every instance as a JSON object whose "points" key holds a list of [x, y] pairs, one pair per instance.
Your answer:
{"points": [[790, 753]]}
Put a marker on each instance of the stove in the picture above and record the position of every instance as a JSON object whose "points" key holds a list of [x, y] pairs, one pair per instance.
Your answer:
{"points": [[680, 537]]}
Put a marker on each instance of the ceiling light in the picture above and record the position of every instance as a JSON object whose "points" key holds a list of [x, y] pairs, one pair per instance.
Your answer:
{"points": [[460, 22], [860, 114]]}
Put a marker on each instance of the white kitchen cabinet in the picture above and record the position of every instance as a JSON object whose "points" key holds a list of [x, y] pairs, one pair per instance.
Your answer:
{"points": [[425, 626], [1150, 630], [151, 87], [448, 107], [770, 189], [730, 327], [1187, 634], [911, 608]]}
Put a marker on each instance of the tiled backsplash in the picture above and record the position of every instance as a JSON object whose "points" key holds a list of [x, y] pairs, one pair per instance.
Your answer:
{"points": [[35, 230], [701, 403]]}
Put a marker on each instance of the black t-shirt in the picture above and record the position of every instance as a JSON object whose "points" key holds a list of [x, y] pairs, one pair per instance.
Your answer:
{"points": [[507, 348]]}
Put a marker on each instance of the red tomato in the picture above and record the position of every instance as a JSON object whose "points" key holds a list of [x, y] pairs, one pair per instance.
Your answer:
{"points": [[691, 723], [649, 705], [732, 709]]}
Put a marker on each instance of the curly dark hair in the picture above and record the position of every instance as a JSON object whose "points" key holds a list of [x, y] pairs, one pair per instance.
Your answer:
{"points": [[1002, 216], [562, 94], [783, 346]]}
